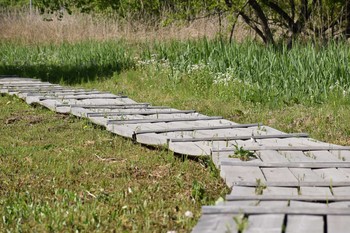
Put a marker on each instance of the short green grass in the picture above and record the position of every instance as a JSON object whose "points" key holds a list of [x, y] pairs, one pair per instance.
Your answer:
{"points": [[60, 173]]}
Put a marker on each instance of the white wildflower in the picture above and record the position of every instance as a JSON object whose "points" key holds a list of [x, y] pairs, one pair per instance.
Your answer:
{"points": [[189, 214]]}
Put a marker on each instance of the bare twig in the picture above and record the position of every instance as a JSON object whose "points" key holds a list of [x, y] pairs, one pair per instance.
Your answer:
{"points": [[106, 159], [90, 194]]}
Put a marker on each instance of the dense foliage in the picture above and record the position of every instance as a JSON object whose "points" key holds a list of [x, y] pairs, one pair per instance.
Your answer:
{"points": [[13, 3]]}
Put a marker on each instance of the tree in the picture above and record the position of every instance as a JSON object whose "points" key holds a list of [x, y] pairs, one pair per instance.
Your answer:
{"points": [[272, 20], [287, 20]]}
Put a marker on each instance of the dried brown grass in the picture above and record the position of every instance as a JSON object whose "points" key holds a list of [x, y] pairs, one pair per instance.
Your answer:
{"points": [[29, 28]]}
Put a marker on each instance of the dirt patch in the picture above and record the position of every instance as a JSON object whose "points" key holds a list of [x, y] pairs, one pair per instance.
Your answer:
{"points": [[31, 120], [12, 120]]}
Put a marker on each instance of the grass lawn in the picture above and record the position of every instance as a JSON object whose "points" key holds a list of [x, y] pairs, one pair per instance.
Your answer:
{"points": [[60, 173]]}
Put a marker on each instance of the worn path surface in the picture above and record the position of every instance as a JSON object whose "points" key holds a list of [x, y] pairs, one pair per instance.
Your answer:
{"points": [[290, 183]]}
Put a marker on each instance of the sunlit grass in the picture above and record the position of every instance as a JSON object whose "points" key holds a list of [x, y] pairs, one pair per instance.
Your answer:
{"points": [[251, 72], [293, 90], [260, 74], [327, 122], [60, 173]]}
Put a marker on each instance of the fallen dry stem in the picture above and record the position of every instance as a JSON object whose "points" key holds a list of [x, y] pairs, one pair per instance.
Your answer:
{"points": [[112, 160]]}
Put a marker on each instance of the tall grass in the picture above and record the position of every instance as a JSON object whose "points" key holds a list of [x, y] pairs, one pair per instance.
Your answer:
{"points": [[35, 28], [306, 73], [253, 72], [70, 63]]}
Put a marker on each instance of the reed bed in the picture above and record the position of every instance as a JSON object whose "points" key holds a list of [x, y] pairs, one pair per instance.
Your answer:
{"points": [[21, 26]]}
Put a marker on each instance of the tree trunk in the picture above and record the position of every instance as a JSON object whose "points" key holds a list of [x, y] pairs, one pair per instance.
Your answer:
{"points": [[347, 29], [263, 20]]}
